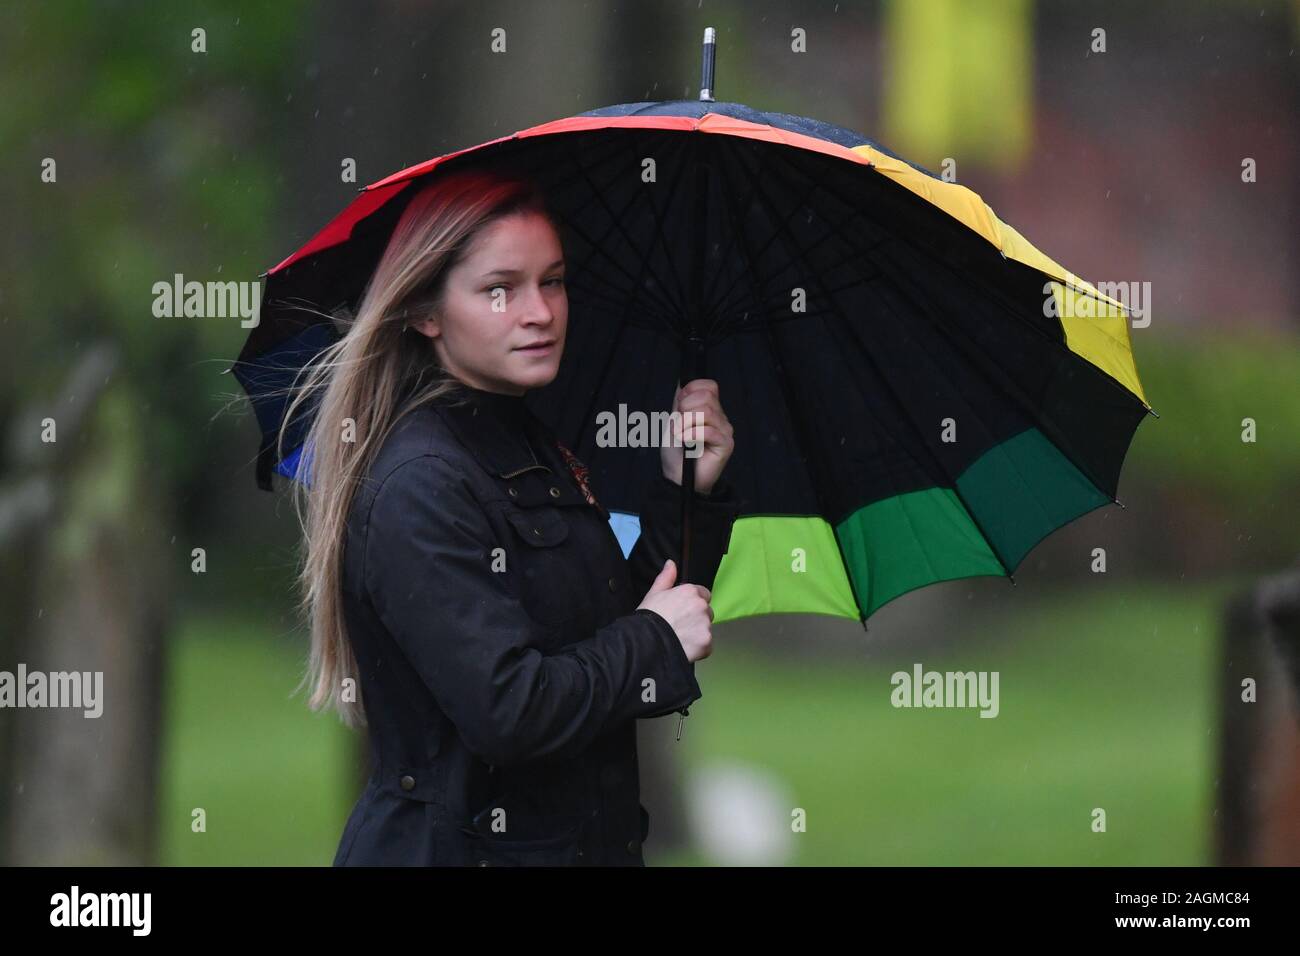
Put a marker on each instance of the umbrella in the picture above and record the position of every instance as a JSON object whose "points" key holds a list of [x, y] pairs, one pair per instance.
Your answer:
{"points": [[918, 393]]}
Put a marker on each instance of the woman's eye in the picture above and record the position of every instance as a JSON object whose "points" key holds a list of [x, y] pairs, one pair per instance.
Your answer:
{"points": [[557, 281]]}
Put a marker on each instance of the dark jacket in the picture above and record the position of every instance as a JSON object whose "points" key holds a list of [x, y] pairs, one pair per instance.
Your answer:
{"points": [[502, 659]]}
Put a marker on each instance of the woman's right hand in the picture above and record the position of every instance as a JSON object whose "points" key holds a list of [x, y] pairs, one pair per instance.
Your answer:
{"points": [[686, 607]]}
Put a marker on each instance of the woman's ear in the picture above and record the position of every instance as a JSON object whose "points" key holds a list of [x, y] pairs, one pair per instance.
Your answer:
{"points": [[427, 326]]}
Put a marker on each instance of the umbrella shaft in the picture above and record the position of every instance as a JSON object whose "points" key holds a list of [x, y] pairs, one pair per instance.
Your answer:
{"points": [[692, 368]]}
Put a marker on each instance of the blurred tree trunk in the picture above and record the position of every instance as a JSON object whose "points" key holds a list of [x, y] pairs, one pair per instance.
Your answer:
{"points": [[91, 560], [1257, 806]]}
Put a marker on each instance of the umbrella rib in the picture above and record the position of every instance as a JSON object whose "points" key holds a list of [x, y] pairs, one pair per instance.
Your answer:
{"points": [[615, 301], [1017, 394], [974, 279], [615, 224], [677, 308], [898, 400], [902, 407], [597, 246], [895, 278], [758, 489], [834, 231], [626, 308], [1038, 504], [618, 337], [783, 379], [574, 216], [732, 240], [748, 272], [783, 315], [883, 442], [752, 257]]}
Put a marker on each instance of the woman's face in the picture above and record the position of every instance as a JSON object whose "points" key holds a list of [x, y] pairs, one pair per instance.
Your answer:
{"points": [[505, 298]]}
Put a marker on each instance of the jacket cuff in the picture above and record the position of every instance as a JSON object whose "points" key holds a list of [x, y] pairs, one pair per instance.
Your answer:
{"points": [[712, 513], [678, 688], [711, 521], [723, 492]]}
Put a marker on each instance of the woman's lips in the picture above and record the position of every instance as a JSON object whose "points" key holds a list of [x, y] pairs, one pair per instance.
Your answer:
{"points": [[537, 349]]}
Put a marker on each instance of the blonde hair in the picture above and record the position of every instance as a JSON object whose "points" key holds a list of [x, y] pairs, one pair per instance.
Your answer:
{"points": [[374, 374]]}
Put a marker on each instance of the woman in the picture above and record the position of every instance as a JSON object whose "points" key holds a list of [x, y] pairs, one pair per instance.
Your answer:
{"points": [[469, 602]]}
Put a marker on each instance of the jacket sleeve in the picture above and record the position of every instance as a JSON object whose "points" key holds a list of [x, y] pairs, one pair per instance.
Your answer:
{"points": [[661, 533], [429, 574]]}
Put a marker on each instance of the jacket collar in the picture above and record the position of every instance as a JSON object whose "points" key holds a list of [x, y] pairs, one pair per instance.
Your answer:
{"points": [[493, 427]]}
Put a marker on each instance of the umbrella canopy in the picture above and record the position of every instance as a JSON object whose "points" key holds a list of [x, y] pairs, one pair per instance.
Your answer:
{"points": [[918, 394]]}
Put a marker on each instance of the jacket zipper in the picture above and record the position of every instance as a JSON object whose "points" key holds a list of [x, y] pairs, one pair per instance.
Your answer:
{"points": [[682, 712]]}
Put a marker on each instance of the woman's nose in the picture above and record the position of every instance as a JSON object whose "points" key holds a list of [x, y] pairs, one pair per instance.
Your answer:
{"points": [[536, 309]]}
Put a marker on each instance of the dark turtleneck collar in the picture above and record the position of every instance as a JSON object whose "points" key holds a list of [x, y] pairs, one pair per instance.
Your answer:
{"points": [[499, 428], [506, 408]]}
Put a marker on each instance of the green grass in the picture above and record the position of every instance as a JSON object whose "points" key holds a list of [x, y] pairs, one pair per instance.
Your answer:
{"points": [[1105, 702], [271, 775]]}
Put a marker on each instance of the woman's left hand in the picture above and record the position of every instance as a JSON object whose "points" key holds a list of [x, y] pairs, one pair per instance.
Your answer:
{"points": [[701, 411]]}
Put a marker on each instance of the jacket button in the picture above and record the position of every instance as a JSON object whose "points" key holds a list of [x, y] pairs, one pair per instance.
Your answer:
{"points": [[408, 782], [633, 847], [555, 492], [482, 862], [537, 531], [613, 584], [514, 492]]}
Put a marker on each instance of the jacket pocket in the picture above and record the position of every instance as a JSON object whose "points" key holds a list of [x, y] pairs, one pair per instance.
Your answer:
{"points": [[542, 566], [540, 528], [560, 849]]}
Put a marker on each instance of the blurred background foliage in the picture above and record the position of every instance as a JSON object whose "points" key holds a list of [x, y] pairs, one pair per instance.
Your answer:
{"points": [[1124, 165]]}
